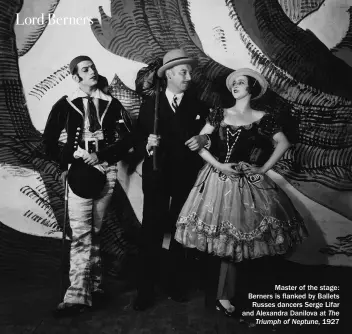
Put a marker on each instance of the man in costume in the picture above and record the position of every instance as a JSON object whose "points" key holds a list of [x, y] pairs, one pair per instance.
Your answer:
{"points": [[181, 117], [97, 137]]}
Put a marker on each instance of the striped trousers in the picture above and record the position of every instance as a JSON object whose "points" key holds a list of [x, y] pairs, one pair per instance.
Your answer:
{"points": [[86, 219]]}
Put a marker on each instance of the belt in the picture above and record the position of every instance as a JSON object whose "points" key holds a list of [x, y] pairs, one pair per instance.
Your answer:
{"points": [[92, 145]]}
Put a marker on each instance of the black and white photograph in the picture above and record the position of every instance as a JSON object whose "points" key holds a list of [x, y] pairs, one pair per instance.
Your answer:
{"points": [[175, 166]]}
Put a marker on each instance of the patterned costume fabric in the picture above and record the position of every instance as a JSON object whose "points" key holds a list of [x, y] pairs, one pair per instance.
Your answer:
{"points": [[85, 263], [245, 216], [112, 141]]}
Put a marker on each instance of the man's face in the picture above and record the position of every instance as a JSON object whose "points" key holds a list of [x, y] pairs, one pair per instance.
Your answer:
{"points": [[88, 74], [179, 78]]}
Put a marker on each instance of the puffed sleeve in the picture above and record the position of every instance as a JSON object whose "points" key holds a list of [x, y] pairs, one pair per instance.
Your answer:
{"points": [[269, 126], [215, 116]]}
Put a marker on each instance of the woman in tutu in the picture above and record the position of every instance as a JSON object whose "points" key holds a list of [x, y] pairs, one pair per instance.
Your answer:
{"points": [[234, 210]]}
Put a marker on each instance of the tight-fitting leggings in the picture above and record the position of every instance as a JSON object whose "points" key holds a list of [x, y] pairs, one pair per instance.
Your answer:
{"points": [[237, 280], [227, 280]]}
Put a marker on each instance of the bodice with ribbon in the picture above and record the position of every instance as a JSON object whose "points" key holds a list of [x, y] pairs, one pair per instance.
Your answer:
{"points": [[252, 143]]}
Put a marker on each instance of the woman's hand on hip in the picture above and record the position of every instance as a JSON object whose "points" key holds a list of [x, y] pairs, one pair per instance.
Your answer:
{"points": [[257, 170], [228, 169]]}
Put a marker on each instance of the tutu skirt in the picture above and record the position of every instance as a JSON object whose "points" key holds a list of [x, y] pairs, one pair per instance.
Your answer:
{"points": [[243, 217]]}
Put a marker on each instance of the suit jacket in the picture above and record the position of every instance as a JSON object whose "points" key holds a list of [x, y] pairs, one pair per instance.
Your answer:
{"points": [[117, 139], [174, 157]]}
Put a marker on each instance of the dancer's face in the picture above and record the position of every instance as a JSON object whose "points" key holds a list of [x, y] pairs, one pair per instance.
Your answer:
{"points": [[239, 87], [87, 74]]}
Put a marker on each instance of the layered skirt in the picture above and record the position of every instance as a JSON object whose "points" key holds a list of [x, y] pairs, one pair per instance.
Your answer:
{"points": [[246, 216]]}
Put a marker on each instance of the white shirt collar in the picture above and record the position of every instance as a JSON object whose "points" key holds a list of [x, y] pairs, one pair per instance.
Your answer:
{"points": [[97, 94], [170, 96]]}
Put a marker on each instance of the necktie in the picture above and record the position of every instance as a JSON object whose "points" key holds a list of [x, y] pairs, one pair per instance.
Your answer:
{"points": [[174, 103], [92, 116]]}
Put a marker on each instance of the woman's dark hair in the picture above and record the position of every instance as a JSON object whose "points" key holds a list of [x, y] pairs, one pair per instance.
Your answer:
{"points": [[227, 99], [254, 87]]}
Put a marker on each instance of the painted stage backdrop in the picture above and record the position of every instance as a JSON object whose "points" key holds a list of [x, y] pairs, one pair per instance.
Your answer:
{"points": [[302, 47]]}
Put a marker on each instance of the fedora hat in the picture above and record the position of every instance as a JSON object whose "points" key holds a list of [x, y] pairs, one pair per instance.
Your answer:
{"points": [[173, 58], [85, 180], [251, 73]]}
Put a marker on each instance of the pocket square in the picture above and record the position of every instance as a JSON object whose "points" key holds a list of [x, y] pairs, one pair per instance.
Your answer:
{"points": [[198, 117]]}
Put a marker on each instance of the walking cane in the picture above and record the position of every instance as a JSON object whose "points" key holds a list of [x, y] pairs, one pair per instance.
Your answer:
{"points": [[63, 241], [156, 120]]}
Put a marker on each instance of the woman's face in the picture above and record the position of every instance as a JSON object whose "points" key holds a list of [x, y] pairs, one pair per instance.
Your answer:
{"points": [[239, 87]]}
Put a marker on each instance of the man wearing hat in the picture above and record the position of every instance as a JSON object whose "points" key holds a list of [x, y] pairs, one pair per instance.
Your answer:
{"points": [[181, 117], [97, 137]]}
